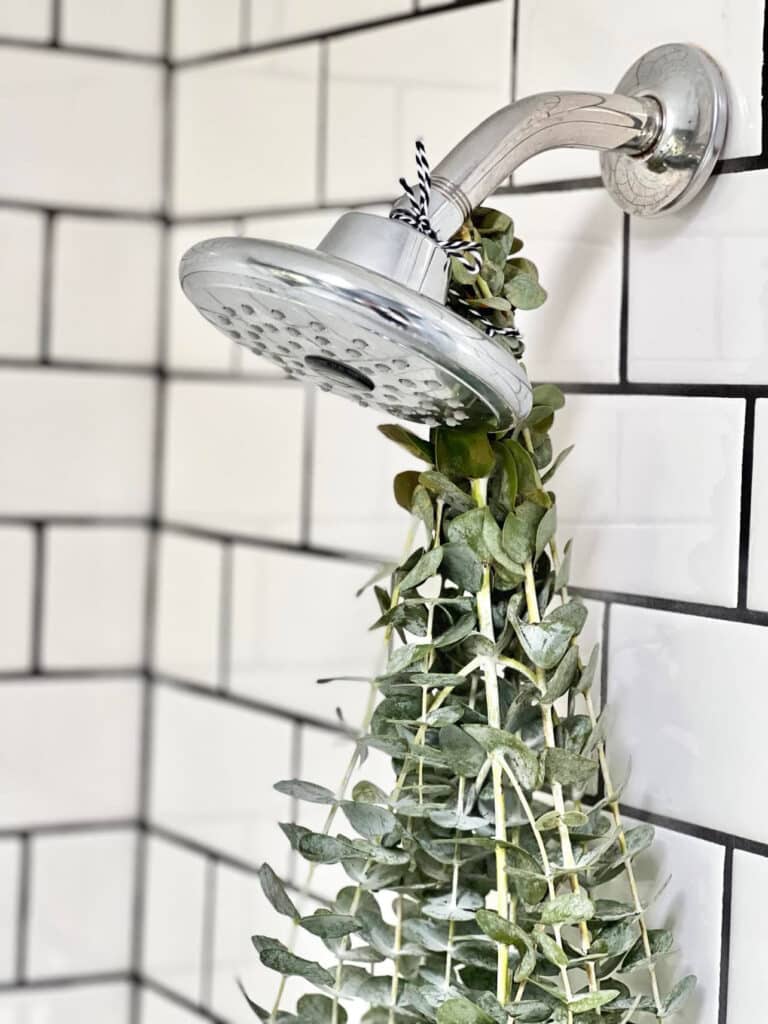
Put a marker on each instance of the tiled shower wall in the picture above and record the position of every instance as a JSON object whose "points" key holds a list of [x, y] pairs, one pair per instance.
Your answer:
{"points": [[183, 530]]}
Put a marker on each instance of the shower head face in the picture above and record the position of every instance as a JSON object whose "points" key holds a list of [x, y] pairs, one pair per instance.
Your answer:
{"points": [[355, 333]]}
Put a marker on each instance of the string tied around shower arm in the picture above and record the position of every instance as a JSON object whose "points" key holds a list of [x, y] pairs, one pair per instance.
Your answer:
{"points": [[468, 253]]}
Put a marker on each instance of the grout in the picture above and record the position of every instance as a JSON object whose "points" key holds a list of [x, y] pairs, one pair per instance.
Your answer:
{"points": [[745, 519], [56, 23], [46, 287], [297, 772], [67, 981], [725, 934], [56, 828], [321, 161], [624, 308], [38, 598], [22, 907], [208, 938], [226, 590], [308, 464]]}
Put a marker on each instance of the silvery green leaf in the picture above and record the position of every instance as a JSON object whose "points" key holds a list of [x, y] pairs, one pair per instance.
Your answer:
{"points": [[383, 572], [545, 530], [592, 1000], [545, 643], [524, 292], [369, 792], [523, 761], [554, 953], [464, 753], [530, 1011], [548, 394], [368, 819], [463, 452], [442, 908], [573, 614], [407, 655], [461, 564], [588, 672], [562, 456], [403, 487], [679, 995], [446, 715], [274, 890], [461, 1011], [421, 507], [411, 442], [457, 632], [660, 941], [613, 910], [293, 833], [456, 820], [302, 790], [328, 925], [597, 736], [426, 567], [569, 908], [615, 940], [564, 569], [527, 475], [314, 1008], [481, 532], [433, 937], [442, 487], [509, 934], [286, 963], [367, 849], [322, 849], [638, 839], [260, 1012], [519, 533], [562, 678], [568, 768], [552, 820]]}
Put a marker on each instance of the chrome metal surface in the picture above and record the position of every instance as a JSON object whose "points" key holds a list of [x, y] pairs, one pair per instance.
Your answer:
{"points": [[689, 88], [355, 333], [364, 315]]}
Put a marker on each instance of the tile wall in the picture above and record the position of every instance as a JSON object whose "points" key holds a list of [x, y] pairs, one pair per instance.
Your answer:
{"points": [[183, 531]]}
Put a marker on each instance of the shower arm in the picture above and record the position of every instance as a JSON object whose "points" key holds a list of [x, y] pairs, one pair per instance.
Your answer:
{"points": [[486, 157], [659, 136]]}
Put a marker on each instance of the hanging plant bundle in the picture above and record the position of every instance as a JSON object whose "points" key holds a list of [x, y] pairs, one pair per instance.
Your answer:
{"points": [[476, 890]]}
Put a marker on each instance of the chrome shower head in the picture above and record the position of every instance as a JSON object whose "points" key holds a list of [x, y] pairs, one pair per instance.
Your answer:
{"points": [[364, 314]]}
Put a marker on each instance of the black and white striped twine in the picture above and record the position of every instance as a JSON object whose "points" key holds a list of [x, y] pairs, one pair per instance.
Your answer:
{"points": [[469, 254]]}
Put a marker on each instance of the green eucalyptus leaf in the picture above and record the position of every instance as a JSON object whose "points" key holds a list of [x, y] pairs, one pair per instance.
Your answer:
{"points": [[421, 507], [562, 456], [545, 643], [508, 933], [660, 941], [524, 292], [587, 676], [567, 768], [527, 476], [442, 487], [554, 953], [328, 925], [569, 908], [523, 761], [299, 789], [679, 995], [562, 678], [573, 614], [369, 820], [461, 565], [461, 1011], [456, 632], [314, 1008], [411, 442], [572, 819], [286, 963], [519, 533], [563, 573], [464, 753], [425, 568], [592, 1001], [463, 452], [274, 890], [545, 530], [403, 486], [443, 908], [548, 394], [480, 531]]}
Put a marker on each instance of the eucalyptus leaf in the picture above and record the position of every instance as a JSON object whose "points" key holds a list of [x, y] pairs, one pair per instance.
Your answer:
{"points": [[442, 487], [545, 643], [461, 565], [463, 452], [274, 890], [426, 567], [328, 925], [368, 819], [562, 678], [412, 443], [569, 908], [285, 963], [679, 995], [299, 789], [567, 768]]}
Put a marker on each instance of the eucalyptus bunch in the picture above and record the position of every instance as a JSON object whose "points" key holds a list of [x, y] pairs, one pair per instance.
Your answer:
{"points": [[476, 882]]}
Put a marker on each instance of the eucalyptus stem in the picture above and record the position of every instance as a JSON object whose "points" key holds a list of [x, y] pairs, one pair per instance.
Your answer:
{"points": [[485, 623]]}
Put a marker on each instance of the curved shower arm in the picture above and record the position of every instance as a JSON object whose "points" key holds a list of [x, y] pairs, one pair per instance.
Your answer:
{"points": [[486, 157]]}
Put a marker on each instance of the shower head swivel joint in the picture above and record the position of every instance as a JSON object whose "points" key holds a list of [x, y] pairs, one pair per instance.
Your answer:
{"points": [[364, 314]]}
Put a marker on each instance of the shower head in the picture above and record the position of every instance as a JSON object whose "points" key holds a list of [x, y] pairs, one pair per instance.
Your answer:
{"points": [[364, 314]]}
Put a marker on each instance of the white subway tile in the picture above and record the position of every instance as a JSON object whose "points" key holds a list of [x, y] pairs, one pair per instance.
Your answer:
{"points": [[21, 245], [389, 85], [70, 750], [173, 917], [192, 343], [105, 290], [684, 695], [131, 26], [748, 955], [80, 130], [690, 907], [10, 866], [651, 494], [757, 596], [575, 239], [233, 153], [585, 47], [94, 597], [233, 457], [199, 27], [26, 19], [278, 19], [697, 281], [214, 766], [16, 597], [74, 443], [279, 598], [188, 608], [81, 903], [67, 1004], [157, 1009], [353, 507]]}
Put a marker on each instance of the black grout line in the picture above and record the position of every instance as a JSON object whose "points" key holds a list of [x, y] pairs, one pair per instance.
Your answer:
{"points": [[673, 389], [314, 37], [56, 13], [35, 674], [22, 907], [238, 700], [46, 287], [695, 831], [38, 598], [676, 606], [56, 828], [226, 590], [208, 939], [624, 309], [747, 465], [307, 464], [725, 934], [77, 50], [78, 210], [179, 1000], [67, 981]]}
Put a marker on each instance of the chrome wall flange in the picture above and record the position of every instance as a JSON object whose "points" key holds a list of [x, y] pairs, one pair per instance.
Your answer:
{"points": [[689, 89]]}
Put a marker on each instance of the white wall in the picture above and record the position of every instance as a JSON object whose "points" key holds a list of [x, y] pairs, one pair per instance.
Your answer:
{"points": [[182, 530]]}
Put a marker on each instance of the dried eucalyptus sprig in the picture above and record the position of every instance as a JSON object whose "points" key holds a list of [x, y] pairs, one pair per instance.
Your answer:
{"points": [[476, 895]]}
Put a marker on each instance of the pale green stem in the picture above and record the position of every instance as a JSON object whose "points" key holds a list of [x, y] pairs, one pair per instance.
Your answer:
{"points": [[485, 623], [454, 884], [613, 805], [396, 958]]}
